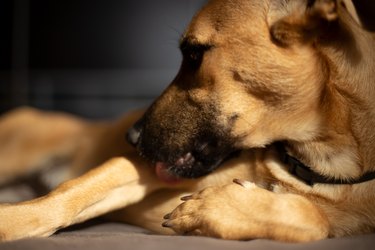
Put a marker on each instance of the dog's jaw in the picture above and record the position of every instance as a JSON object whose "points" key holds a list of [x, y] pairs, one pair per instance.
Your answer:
{"points": [[175, 156]]}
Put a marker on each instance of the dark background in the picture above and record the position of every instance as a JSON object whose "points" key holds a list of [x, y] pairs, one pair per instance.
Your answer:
{"points": [[94, 58]]}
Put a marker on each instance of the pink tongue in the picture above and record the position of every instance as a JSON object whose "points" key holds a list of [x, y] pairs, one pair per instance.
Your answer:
{"points": [[163, 174]]}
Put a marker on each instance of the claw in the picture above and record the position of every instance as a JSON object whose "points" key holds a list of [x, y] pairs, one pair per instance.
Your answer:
{"points": [[186, 198], [167, 224], [167, 216]]}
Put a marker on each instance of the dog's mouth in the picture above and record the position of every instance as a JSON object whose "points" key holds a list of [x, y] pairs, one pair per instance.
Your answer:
{"points": [[190, 166]]}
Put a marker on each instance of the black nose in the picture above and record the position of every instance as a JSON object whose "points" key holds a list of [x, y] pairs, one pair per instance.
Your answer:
{"points": [[133, 135]]}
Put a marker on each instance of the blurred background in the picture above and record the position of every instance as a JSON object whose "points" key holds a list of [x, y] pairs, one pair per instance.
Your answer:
{"points": [[93, 58]]}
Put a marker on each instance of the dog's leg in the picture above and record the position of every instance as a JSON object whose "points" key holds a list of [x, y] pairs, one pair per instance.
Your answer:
{"points": [[245, 211], [115, 184], [31, 140]]}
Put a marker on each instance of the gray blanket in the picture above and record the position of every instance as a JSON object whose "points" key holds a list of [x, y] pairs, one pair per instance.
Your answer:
{"points": [[112, 236]]}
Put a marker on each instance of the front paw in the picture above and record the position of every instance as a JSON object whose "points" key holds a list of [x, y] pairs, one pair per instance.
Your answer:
{"points": [[220, 212]]}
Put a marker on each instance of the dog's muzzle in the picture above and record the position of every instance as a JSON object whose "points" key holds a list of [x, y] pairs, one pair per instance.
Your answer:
{"points": [[202, 156]]}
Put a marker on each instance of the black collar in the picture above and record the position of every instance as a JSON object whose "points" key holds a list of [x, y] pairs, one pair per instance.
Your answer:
{"points": [[307, 175]]}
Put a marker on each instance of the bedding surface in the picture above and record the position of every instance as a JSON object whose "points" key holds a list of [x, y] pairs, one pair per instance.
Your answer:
{"points": [[115, 236]]}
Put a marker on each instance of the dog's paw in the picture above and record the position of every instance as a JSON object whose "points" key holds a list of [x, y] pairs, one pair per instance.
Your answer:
{"points": [[222, 212]]}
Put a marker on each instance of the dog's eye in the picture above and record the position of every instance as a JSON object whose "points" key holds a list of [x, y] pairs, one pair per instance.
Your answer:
{"points": [[193, 53]]}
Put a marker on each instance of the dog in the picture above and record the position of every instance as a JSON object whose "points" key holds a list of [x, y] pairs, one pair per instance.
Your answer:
{"points": [[266, 132]]}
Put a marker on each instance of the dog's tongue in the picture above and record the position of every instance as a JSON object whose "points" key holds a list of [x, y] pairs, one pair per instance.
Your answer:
{"points": [[163, 174]]}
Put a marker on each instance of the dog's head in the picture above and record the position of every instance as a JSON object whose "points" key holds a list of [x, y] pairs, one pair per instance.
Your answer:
{"points": [[250, 76]]}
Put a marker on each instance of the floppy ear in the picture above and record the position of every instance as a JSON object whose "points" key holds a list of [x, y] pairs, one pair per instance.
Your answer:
{"points": [[300, 21]]}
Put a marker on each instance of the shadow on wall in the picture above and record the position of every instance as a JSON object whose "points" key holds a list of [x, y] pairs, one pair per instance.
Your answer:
{"points": [[89, 57]]}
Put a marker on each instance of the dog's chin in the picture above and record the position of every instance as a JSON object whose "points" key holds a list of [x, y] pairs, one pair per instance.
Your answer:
{"points": [[189, 166]]}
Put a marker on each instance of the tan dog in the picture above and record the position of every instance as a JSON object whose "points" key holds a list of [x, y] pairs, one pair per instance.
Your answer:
{"points": [[290, 83]]}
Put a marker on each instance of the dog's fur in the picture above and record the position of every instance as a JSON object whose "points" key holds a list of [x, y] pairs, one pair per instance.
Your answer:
{"points": [[254, 73]]}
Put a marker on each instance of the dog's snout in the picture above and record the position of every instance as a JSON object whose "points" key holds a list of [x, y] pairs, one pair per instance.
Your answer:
{"points": [[133, 135]]}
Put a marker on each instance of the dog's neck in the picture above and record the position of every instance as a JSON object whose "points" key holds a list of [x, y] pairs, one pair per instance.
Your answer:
{"points": [[345, 147]]}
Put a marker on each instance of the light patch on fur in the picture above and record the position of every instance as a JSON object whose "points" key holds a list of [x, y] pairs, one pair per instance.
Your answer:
{"points": [[330, 158], [332, 192], [342, 164], [245, 184]]}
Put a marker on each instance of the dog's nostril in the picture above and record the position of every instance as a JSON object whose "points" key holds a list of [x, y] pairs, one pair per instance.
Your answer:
{"points": [[132, 136]]}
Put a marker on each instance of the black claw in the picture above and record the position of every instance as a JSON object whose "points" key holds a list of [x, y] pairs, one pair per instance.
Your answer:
{"points": [[186, 198], [167, 224], [238, 181], [167, 216]]}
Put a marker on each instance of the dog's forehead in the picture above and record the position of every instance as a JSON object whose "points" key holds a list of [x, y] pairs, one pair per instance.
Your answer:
{"points": [[222, 18]]}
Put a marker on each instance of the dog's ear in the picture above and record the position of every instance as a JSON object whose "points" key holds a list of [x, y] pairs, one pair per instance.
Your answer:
{"points": [[300, 21]]}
